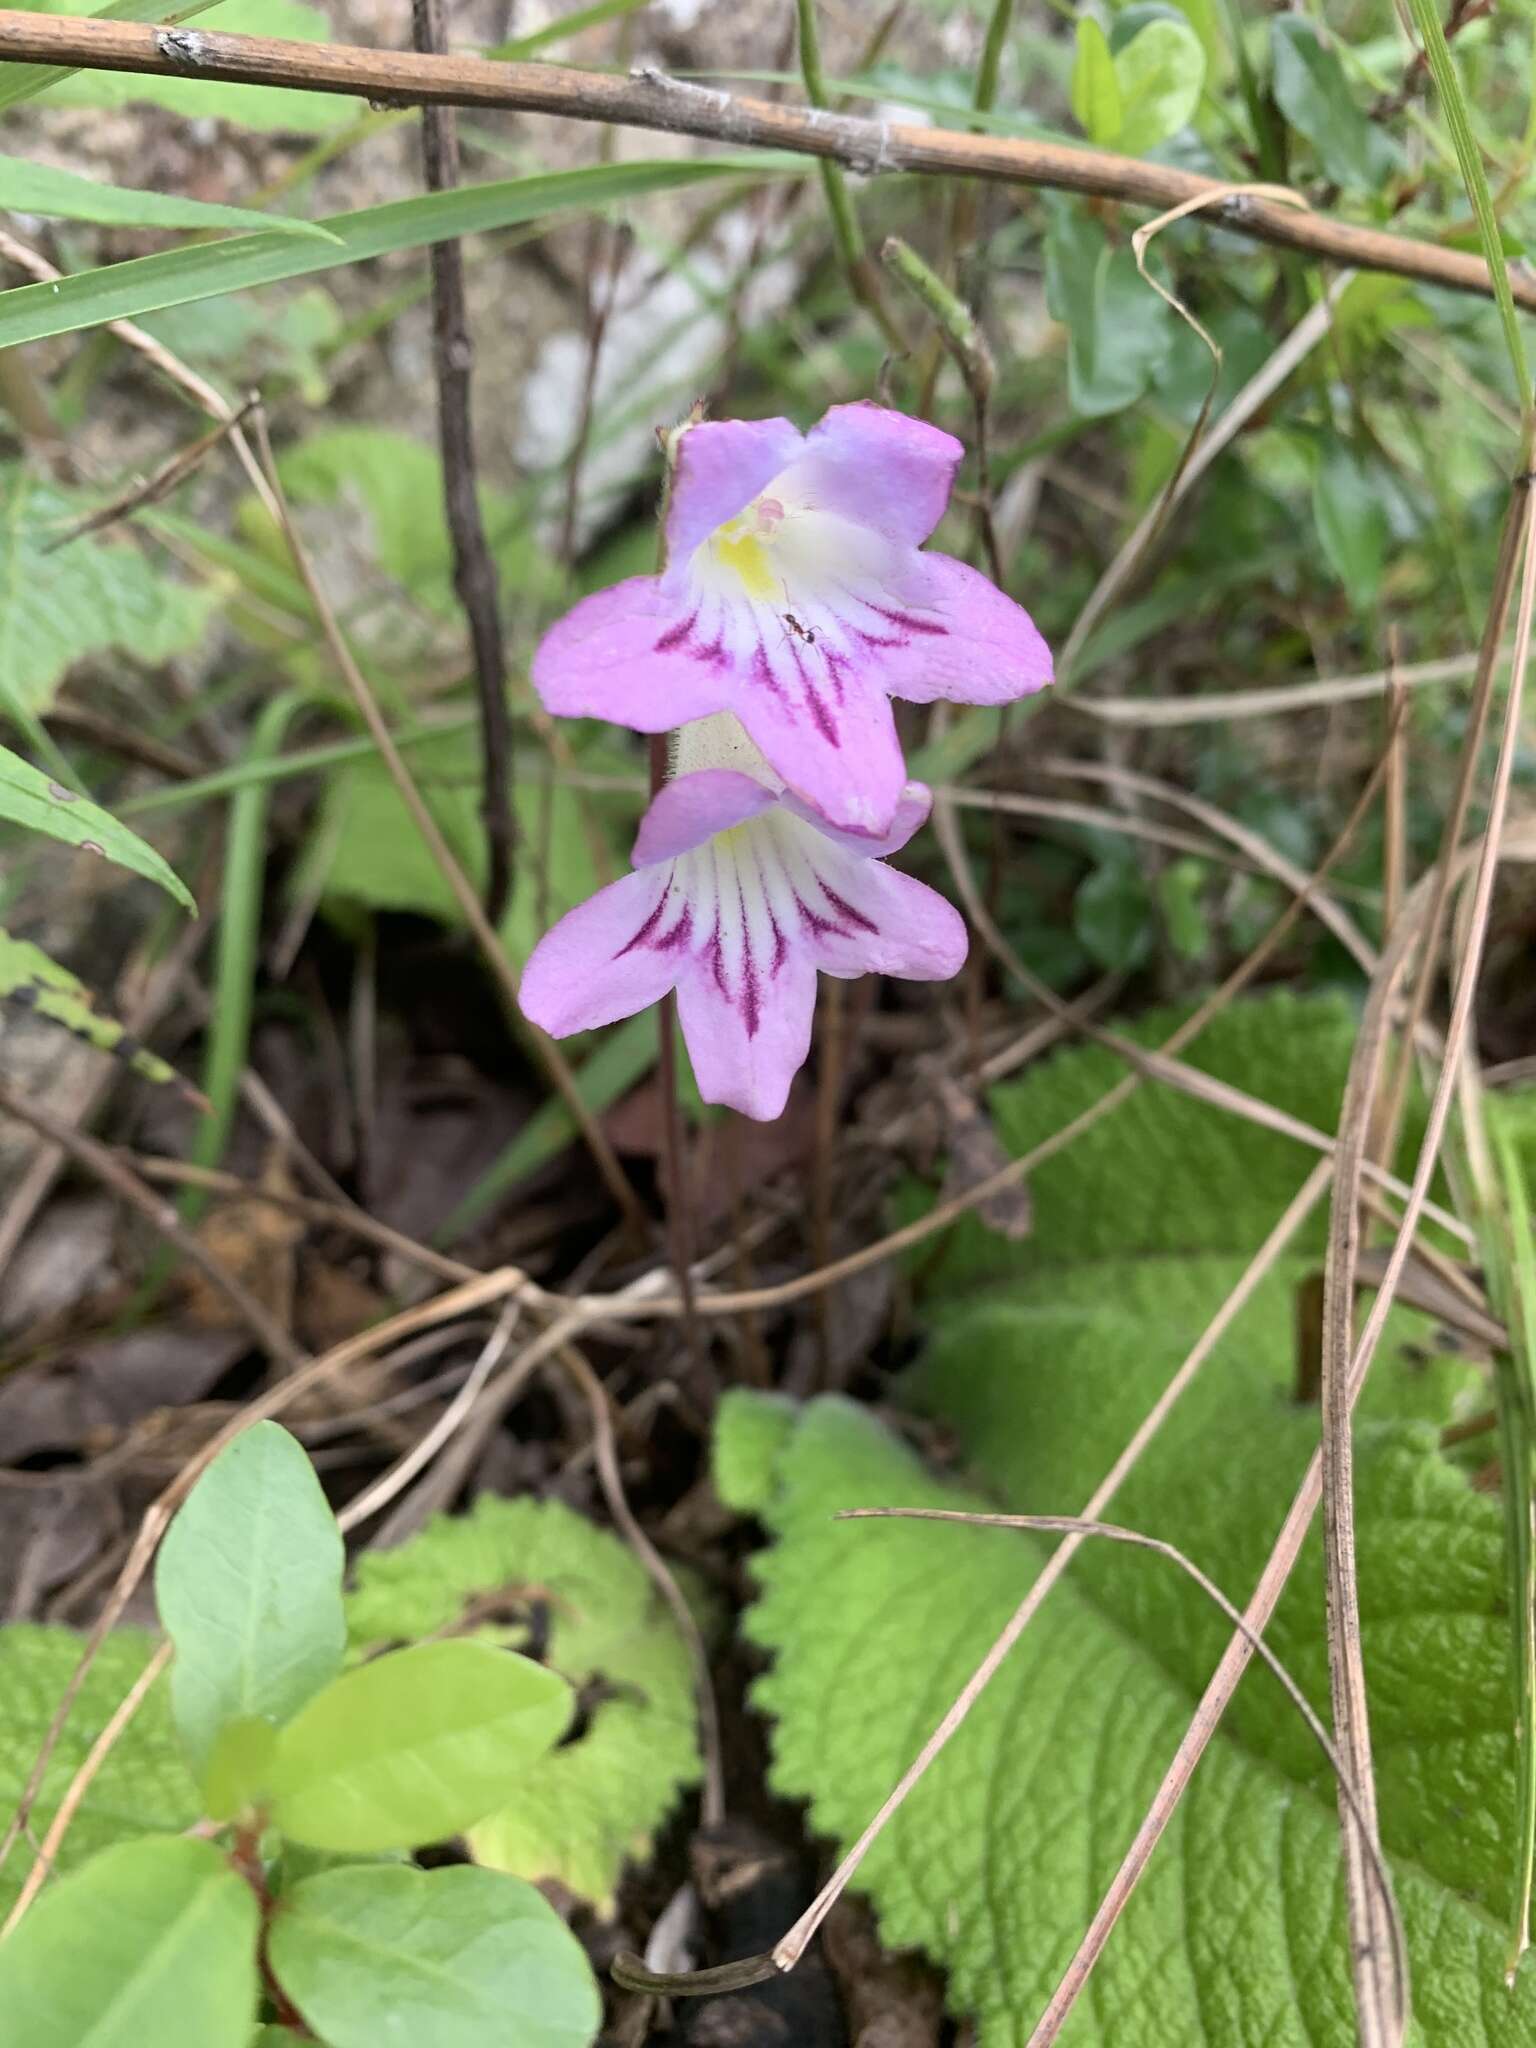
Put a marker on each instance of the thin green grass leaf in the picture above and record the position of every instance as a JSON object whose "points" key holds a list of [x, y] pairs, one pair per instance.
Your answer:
{"points": [[28, 797], [177, 277], [1453, 103], [65, 195]]}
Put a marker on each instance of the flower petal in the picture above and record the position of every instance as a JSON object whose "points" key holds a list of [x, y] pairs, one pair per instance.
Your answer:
{"points": [[950, 632], [830, 735], [693, 808], [911, 813], [607, 958], [721, 466], [748, 1059], [876, 467], [620, 655], [861, 917]]}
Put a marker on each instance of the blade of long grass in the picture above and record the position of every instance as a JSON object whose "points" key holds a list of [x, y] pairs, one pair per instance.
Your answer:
{"points": [[178, 277]]}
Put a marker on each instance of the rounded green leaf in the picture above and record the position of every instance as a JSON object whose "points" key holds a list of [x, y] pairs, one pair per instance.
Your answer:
{"points": [[153, 1942], [249, 1586], [458, 1958], [1160, 73], [1095, 88], [239, 1767], [415, 1746]]}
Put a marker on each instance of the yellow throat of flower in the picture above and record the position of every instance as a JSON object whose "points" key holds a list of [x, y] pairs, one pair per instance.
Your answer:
{"points": [[740, 546]]}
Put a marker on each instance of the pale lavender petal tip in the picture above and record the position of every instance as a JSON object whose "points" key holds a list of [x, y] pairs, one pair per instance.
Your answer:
{"points": [[877, 467], [693, 808], [615, 656], [594, 966], [720, 467]]}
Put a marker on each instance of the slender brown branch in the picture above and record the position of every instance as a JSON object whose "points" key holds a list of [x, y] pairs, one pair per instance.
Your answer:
{"points": [[105, 1165], [649, 99], [474, 572]]}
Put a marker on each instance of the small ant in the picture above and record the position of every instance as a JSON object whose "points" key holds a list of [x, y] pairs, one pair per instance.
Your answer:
{"points": [[800, 632]]}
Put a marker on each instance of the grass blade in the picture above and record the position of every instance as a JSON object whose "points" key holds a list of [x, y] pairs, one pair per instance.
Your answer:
{"points": [[28, 797], [65, 195], [177, 277]]}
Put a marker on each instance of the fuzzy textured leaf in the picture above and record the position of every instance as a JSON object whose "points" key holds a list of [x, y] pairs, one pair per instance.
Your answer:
{"points": [[91, 597], [593, 1802], [143, 1786], [152, 1941], [248, 1582], [459, 1958], [1236, 1934], [30, 980]]}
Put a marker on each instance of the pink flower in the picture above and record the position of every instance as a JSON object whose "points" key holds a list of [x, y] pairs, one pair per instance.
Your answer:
{"points": [[740, 893], [796, 595]]}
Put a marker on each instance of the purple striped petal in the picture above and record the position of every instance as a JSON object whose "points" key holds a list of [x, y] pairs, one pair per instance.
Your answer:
{"points": [[746, 1052], [618, 655], [947, 631], [720, 467], [911, 813], [829, 731], [686, 812], [613, 955], [876, 467]]}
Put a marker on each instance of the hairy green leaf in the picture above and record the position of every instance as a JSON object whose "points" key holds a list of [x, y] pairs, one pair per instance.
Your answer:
{"points": [[415, 1746], [458, 1958], [65, 195], [1236, 1933], [30, 798], [123, 291], [92, 596], [143, 1786], [578, 1813], [248, 1582], [29, 979], [153, 1941]]}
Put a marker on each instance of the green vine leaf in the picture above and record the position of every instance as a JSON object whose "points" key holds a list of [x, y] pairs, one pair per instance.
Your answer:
{"points": [[597, 1800]]}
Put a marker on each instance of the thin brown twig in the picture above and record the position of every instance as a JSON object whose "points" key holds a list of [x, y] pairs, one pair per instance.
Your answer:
{"points": [[105, 1165], [649, 99], [492, 951], [474, 572]]}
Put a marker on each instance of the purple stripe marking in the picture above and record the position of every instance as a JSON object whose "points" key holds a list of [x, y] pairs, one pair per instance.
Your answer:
{"points": [[678, 635], [905, 620], [822, 927], [846, 909], [822, 716]]}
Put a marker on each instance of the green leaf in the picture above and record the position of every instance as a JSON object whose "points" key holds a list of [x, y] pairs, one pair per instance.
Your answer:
{"points": [[30, 980], [415, 1746], [1161, 72], [1313, 94], [1118, 329], [248, 1582], [64, 195], [30, 798], [142, 1786], [1236, 1933], [238, 1774], [1112, 916], [458, 1958], [1095, 87], [374, 855], [577, 1814], [269, 109], [1352, 523], [176, 277], [153, 1941], [1180, 895], [90, 597]]}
